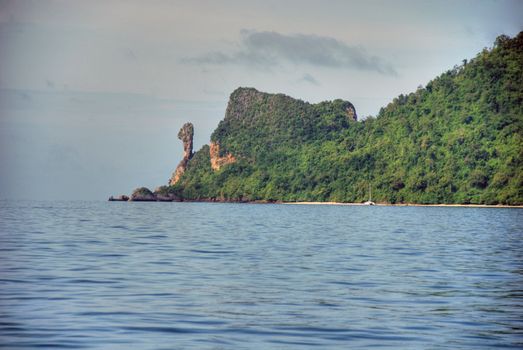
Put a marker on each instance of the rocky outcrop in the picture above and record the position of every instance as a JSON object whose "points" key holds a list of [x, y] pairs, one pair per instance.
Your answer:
{"points": [[185, 134], [163, 194], [216, 161], [143, 194], [121, 198]]}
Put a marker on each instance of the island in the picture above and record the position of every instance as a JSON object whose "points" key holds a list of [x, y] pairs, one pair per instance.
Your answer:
{"points": [[456, 140]]}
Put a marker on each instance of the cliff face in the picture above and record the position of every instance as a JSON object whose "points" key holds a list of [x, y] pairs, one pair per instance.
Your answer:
{"points": [[185, 134], [216, 161]]}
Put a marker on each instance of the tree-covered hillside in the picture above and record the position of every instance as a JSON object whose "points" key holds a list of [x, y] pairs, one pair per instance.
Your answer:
{"points": [[457, 140]]}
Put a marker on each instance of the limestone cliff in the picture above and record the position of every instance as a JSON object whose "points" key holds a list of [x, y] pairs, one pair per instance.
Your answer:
{"points": [[185, 134], [216, 161]]}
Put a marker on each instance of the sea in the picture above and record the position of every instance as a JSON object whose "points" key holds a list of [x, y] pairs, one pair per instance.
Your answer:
{"points": [[130, 275]]}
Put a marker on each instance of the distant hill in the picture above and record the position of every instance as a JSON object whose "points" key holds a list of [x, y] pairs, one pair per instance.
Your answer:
{"points": [[457, 140]]}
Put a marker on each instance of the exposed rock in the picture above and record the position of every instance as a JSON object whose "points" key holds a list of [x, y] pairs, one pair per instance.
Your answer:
{"points": [[121, 198], [351, 112], [143, 194], [163, 194], [185, 134], [216, 161]]}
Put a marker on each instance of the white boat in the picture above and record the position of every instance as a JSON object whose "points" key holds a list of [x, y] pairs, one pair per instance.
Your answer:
{"points": [[369, 202]]}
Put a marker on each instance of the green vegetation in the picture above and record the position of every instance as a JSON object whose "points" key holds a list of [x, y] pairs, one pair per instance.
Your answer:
{"points": [[457, 140]]}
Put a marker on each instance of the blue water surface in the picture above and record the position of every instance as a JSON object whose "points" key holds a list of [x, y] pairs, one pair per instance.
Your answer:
{"points": [[112, 275]]}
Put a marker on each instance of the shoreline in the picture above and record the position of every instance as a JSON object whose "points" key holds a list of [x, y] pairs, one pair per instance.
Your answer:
{"points": [[207, 200], [408, 205]]}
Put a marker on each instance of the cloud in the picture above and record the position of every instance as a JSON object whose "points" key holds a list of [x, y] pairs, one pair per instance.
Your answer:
{"points": [[310, 79], [269, 49]]}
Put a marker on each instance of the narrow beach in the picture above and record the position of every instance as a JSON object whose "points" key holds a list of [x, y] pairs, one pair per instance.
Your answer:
{"points": [[409, 205]]}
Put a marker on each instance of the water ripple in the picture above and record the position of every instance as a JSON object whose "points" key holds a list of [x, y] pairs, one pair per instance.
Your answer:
{"points": [[102, 275]]}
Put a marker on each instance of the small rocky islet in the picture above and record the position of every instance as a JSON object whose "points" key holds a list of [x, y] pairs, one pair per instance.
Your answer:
{"points": [[143, 194]]}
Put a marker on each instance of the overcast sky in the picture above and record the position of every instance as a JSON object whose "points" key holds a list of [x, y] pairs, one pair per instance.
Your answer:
{"points": [[93, 93]]}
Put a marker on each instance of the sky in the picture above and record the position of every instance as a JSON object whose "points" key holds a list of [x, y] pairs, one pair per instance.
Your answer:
{"points": [[93, 93]]}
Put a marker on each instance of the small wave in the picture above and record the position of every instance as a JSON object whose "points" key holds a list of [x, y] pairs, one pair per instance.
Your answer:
{"points": [[152, 237], [119, 227], [105, 313], [161, 329], [212, 251], [89, 281]]}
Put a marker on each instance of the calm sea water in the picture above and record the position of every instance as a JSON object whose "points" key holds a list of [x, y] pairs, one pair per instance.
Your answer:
{"points": [[239, 276]]}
